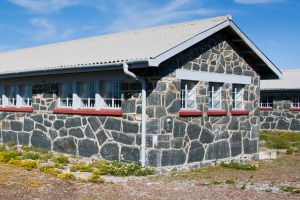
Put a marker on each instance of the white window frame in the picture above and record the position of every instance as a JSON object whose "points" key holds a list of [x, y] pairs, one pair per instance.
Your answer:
{"points": [[215, 96], [295, 102], [237, 97], [188, 95], [266, 101]]}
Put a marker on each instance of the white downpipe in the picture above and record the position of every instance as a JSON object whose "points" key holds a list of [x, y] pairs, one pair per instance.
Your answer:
{"points": [[143, 138]]}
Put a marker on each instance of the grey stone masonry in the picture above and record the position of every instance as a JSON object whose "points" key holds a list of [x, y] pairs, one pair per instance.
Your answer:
{"points": [[171, 140], [281, 116]]}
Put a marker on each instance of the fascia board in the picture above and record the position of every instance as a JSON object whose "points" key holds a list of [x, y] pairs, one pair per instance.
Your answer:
{"points": [[212, 77], [256, 50], [179, 48]]}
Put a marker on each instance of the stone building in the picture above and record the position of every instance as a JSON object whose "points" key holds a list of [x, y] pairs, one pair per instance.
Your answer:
{"points": [[178, 95], [280, 102]]}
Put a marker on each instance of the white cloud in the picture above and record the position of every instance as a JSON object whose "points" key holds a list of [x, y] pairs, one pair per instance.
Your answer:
{"points": [[45, 6], [42, 29], [257, 1], [139, 14]]}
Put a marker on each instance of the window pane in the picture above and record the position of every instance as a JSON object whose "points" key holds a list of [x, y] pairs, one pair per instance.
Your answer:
{"points": [[66, 95], [266, 101], [88, 99], [11, 93], [26, 94], [296, 102], [188, 94], [215, 96], [112, 94], [237, 96]]}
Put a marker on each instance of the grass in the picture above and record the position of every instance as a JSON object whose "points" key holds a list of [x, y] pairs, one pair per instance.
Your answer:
{"points": [[282, 140], [241, 166]]}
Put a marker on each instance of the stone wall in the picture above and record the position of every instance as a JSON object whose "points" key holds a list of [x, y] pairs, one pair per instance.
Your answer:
{"points": [[171, 140], [280, 117]]}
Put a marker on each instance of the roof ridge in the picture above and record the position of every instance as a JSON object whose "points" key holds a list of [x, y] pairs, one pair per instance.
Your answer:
{"points": [[226, 17]]}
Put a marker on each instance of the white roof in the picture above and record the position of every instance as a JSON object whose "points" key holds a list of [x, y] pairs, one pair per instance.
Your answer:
{"points": [[152, 45], [290, 80], [132, 45]]}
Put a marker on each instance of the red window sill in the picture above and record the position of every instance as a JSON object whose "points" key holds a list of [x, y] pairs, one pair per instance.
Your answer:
{"points": [[294, 109], [110, 112], [240, 112], [189, 113], [216, 112], [266, 108], [15, 109]]}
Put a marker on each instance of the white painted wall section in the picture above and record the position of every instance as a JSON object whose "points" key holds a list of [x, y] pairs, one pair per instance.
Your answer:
{"points": [[212, 77]]}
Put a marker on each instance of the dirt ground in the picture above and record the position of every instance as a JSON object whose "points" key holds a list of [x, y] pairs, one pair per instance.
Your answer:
{"points": [[206, 183]]}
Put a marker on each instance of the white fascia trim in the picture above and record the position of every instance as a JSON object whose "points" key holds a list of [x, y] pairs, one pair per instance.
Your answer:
{"points": [[212, 77], [179, 48], [256, 50]]}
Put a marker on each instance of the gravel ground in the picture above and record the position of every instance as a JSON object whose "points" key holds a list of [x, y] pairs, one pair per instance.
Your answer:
{"points": [[265, 183]]}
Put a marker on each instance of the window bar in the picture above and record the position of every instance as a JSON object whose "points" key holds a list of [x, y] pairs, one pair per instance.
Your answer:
{"points": [[186, 96]]}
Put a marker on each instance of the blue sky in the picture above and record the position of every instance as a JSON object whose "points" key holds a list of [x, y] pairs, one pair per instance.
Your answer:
{"points": [[273, 25]]}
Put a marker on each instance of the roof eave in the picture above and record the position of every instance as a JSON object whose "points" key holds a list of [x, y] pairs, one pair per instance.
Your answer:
{"points": [[254, 48], [154, 62]]}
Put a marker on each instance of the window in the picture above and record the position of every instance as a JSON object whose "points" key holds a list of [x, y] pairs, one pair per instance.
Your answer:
{"points": [[95, 95], [266, 101], [26, 95], [66, 95], [112, 94], [215, 95], [88, 92], [296, 102], [1, 95], [16, 95], [188, 95], [11, 94], [237, 96]]}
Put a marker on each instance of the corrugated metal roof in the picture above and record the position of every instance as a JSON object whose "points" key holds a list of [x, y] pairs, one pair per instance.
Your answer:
{"points": [[290, 81], [132, 45]]}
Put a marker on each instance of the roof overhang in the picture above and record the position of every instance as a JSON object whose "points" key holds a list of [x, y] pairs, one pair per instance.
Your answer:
{"points": [[275, 73]]}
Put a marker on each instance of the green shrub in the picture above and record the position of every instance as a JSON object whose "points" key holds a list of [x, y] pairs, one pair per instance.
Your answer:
{"points": [[230, 182], [59, 166], [2, 148], [32, 156], [243, 186], [242, 166], [49, 169], [117, 168], [290, 151], [96, 179], [66, 176], [217, 182], [287, 188], [26, 164], [61, 159], [81, 167], [46, 156], [10, 143], [6, 156], [29, 164]]}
